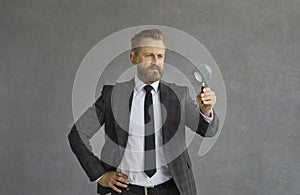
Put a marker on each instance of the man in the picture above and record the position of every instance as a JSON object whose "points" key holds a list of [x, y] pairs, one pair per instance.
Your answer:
{"points": [[145, 149]]}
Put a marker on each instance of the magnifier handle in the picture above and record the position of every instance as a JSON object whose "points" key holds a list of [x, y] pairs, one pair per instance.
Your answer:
{"points": [[202, 88]]}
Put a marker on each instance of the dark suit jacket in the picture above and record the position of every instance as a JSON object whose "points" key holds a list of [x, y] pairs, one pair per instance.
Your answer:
{"points": [[112, 108]]}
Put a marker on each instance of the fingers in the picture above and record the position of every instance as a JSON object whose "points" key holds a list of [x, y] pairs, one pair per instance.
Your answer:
{"points": [[119, 180], [122, 175], [122, 179], [111, 184], [120, 184], [115, 188], [206, 101], [114, 180], [208, 96]]}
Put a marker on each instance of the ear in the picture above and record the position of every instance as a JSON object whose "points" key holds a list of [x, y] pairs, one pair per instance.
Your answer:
{"points": [[133, 58]]}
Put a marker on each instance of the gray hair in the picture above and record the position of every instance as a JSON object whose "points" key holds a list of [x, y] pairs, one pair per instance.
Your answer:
{"points": [[150, 33]]}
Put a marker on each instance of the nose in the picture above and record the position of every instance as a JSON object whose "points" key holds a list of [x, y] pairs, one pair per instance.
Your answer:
{"points": [[155, 59]]}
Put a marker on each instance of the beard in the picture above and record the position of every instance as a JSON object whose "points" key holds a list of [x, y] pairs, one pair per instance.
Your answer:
{"points": [[149, 74]]}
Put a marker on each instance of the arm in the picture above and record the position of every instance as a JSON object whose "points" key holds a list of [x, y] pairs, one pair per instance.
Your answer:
{"points": [[197, 119], [82, 131]]}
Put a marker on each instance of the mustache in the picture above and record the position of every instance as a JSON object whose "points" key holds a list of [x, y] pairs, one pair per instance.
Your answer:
{"points": [[153, 66]]}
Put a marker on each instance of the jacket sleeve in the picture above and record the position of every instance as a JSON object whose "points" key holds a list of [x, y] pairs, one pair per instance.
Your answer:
{"points": [[81, 133], [195, 121]]}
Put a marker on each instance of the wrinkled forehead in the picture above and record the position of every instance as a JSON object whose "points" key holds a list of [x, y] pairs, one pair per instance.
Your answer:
{"points": [[152, 43]]}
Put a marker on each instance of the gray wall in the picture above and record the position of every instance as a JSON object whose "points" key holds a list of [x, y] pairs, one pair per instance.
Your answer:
{"points": [[255, 43]]}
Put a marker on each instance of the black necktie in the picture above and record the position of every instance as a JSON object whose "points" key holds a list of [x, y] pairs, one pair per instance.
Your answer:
{"points": [[150, 158]]}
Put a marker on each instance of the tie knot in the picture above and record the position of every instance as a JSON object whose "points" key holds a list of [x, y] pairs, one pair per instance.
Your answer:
{"points": [[148, 88]]}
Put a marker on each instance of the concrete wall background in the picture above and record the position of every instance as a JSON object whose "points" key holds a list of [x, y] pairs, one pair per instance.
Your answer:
{"points": [[255, 43]]}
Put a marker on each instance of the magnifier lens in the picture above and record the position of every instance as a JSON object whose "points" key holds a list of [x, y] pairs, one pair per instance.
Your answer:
{"points": [[198, 76]]}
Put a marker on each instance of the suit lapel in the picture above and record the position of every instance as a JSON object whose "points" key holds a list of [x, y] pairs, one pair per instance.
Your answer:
{"points": [[122, 96], [121, 103], [170, 113]]}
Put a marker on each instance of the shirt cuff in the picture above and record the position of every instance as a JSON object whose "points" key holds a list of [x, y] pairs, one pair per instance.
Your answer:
{"points": [[99, 178], [207, 118]]}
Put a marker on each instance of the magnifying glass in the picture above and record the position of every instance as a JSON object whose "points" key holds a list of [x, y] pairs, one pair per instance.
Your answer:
{"points": [[200, 79]]}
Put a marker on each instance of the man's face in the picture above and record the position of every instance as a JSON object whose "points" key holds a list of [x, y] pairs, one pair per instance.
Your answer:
{"points": [[149, 60]]}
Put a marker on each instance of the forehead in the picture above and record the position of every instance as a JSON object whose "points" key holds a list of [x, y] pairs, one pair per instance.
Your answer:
{"points": [[149, 44]]}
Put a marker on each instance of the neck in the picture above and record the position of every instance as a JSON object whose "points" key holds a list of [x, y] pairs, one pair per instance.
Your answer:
{"points": [[149, 82], [145, 81]]}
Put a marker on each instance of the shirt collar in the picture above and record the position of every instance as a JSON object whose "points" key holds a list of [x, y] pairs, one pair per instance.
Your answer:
{"points": [[139, 85]]}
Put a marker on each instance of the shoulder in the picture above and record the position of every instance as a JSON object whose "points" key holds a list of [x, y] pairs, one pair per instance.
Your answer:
{"points": [[174, 87], [122, 89], [121, 85]]}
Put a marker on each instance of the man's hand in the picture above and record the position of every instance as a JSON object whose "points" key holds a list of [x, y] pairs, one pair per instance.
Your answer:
{"points": [[206, 101], [112, 179]]}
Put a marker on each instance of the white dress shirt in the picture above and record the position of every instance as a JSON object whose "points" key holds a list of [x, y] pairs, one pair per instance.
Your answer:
{"points": [[132, 163]]}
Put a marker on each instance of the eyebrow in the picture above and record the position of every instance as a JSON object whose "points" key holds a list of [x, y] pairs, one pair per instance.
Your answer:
{"points": [[145, 51]]}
